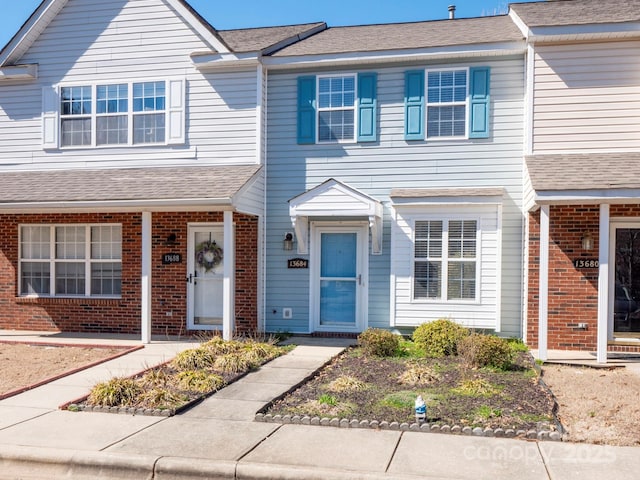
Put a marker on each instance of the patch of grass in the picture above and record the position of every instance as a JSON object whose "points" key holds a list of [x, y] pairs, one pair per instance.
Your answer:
{"points": [[161, 398], [346, 383], [409, 349], [486, 412], [477, 387], [327, 399], [419, 374], [116, 392], [232, 363], [194, 359], [200, 381]]}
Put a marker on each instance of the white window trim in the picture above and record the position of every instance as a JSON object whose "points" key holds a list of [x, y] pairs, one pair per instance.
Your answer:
{"points": [[130, 113], [355, 109], [445, 259], [52, 259], [447, 104]]}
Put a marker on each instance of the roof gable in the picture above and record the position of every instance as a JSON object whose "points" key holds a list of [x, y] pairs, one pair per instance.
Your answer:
{"points": [[49, 9]]}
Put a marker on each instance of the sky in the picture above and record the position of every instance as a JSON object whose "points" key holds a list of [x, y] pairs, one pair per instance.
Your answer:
{"points": [[225, 14]]}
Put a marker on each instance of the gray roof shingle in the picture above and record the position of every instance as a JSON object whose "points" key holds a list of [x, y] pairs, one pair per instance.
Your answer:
{"points": [[589, 171], [577, 12], [171, 183], [404, 36], [259, 39]]}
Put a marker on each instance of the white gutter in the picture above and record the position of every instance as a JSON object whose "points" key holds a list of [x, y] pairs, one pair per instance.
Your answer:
{"points": [[396, 56]]}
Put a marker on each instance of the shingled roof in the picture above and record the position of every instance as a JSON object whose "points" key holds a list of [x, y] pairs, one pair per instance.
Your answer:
{"points": [[577, 12], [405, 36], [259, 39], [115, 185], [588, 171]]}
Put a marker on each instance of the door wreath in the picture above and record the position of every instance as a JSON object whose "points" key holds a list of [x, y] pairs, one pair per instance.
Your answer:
{"points": [[208, 255]]}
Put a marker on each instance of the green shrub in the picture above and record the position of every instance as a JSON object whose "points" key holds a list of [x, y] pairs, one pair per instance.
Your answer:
{"points": [[439, 338], [486, 351], [378, 342]]}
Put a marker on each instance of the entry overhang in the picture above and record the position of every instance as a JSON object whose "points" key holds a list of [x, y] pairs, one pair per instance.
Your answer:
{"points": [[335, 199]]}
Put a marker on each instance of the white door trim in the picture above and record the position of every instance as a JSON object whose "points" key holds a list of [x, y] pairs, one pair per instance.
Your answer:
{"points": [[362, 262]]}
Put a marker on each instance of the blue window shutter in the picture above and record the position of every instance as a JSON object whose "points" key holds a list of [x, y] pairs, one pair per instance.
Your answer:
{"points": [[306, 110], [414, 105], [367, 107], [480, 100]]}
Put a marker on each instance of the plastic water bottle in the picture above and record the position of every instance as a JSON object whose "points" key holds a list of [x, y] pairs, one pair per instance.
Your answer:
{"points": [[421, 410]]}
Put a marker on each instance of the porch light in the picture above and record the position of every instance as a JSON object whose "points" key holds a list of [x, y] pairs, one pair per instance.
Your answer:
{"points": [[288, 241], [171, 239], [587, 241]]}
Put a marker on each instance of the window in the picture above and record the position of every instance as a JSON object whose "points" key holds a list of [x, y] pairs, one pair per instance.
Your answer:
{"points": [[137, 113], [454, 103], [71, 260], [336, 108], [445, 260], [447, 103]]}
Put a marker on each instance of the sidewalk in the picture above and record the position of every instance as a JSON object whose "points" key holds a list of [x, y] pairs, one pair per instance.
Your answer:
{"points": [[218, 438]]}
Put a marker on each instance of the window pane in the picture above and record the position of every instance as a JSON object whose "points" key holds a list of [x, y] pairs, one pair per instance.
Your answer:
{"points": [[112, 130], [111, 98], [106, 242], [428, 239], [35, 242], [36, 278], [106, 279], [70, 242], [462, 239], [76, 132], [148, 96], [148, 128], [70, 278], [75, 100], [427, 280], [461, 281], [336, 125], [446, 121]]}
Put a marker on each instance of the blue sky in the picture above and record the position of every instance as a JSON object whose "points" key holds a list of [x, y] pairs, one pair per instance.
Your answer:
{"points": [[224, 14]]}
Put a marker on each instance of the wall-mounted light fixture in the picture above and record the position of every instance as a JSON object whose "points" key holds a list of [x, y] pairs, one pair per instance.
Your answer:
{"points": [[287, 244], [172, 239], [587, 241]]}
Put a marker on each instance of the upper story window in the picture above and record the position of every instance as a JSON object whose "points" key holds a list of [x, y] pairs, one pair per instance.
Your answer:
{"points": [[114, 114], [447, 103], [445, 260], [450, 104], [71, 260], [337, 108]]}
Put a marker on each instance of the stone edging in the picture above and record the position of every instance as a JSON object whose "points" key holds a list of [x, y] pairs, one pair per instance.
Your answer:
{"points": [[407, 427]]}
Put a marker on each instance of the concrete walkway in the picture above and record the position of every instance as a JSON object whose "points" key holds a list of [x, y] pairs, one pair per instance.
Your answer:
{"points": [[218, 438]]}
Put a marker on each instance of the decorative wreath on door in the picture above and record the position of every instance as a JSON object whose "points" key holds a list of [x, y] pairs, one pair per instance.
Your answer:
{"points": [[208, 255]]}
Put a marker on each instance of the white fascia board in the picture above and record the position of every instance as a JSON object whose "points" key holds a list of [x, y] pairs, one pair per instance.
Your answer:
{"points": [[581, 33], [519, 23], [569, 197], [19, 72], [220, 61], [393, 56], [191, 204], [208, 36], [30, 31]]}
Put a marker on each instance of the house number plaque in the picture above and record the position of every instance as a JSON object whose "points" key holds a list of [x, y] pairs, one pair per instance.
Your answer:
{"points": [[298, 263], [586, 263], [171, 258]]}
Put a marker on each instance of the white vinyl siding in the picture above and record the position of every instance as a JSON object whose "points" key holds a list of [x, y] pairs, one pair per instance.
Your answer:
{"points": [[122, 42], [391, 163], [71, 260], [587, 98]]}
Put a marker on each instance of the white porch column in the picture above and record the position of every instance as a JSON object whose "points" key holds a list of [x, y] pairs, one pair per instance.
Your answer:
{"points": [[603, 284], [146, 277], [228, 296], [543, 284]]}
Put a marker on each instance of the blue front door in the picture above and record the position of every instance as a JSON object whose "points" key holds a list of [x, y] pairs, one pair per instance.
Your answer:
{"points": [[339, 278]]}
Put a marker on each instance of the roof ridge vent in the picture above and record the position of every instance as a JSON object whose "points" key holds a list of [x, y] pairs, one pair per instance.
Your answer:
{"points": [[452, 12]]}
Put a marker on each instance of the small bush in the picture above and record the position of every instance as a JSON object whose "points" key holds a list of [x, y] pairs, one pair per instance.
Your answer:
{"points": [[116, 392], [417, 374], [378, 342], [486, 351], [200, 381], [439, 338], [160, 398], [233, 363], [194, 359], [346, 383]]}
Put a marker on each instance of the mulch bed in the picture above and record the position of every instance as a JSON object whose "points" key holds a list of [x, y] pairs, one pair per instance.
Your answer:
{"points": [[515, 400]]}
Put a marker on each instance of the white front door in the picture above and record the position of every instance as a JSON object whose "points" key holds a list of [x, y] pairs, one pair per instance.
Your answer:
{"points": [[205, 277], [339, 277]]}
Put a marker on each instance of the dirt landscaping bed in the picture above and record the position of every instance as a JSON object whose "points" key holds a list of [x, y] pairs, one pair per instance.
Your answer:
{"points": [[24, 366], [357, 386]]}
